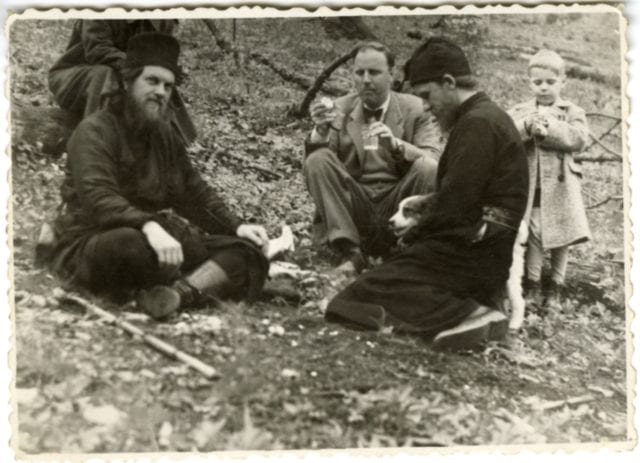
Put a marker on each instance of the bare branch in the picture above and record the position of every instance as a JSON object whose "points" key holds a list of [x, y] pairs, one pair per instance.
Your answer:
{"points": [[605, 201], [585, 158], [608, 116], [602, 145], [269, 172], [220, 40], [324, 75]]}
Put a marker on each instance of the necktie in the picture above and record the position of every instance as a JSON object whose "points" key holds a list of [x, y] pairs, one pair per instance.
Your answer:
{"points": [[369, 114]]}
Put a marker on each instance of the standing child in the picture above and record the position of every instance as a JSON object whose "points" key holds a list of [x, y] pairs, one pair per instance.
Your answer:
{"points": [[553, 130]]}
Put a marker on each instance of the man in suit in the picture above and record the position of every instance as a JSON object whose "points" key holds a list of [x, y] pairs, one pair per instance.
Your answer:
{"points": [[356, 187]]}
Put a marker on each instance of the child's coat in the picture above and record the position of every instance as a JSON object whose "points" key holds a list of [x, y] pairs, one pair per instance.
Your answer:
{"points": [[563, 216]]}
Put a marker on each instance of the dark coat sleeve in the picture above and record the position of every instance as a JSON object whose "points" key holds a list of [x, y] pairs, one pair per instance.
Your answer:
{"points": [[92, 152], [98, 43], [467, 169], [201, 204]]}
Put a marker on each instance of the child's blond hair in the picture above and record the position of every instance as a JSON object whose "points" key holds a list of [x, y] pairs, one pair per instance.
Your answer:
{"points": [[548, 59]]}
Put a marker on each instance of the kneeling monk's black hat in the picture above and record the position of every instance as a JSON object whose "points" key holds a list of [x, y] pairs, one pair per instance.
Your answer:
{"points": [[435, 58], [153, 49]]}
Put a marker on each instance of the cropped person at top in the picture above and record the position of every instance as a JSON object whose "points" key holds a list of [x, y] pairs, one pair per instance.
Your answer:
{"points": [[88, 72]]}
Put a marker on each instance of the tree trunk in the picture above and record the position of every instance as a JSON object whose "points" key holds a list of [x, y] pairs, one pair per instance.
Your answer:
{"points": [[348, 27]]}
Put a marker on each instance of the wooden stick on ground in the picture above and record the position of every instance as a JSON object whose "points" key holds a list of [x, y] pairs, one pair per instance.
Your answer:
{"points": [[158, 344], [271, 173], [570, 401]]}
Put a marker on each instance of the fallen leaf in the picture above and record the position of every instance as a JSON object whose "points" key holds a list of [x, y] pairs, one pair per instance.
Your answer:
{"points": [[206, 431], [25, 396], [21, 297], [126, 376], [211, 324], [619, 428], [164, 434], [135, 316], [605, 392], [276, 330], [69, 388], [91, 439], [148, 374], [64, 407], [529, 378], [250, 437], [86, 337], [289, 373], [179, 370], [38, 301], [106, 415]]}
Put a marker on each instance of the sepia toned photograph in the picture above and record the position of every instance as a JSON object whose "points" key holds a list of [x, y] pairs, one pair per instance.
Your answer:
{"points": [[283, 230]]}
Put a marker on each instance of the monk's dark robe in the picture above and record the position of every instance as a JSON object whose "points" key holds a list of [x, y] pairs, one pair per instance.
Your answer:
{"points": [[446, 271], [118, 178]]}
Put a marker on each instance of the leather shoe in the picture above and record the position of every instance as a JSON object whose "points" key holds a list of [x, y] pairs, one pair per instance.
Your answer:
{"points": [[473, 332], [158, 302]]}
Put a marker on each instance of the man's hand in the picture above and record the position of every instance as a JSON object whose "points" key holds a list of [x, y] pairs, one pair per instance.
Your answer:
{"points": [[166, 247], [256, 234], [385, 136], [322, 116]]}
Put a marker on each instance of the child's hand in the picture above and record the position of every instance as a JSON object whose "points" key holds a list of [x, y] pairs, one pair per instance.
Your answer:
{"points": [[539, 130], [536, 125], [532, 121]]}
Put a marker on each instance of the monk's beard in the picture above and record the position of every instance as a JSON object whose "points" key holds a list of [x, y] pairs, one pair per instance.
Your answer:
{"points": [[143, 121]]}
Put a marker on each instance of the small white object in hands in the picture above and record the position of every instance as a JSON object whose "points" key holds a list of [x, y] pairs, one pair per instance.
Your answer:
{"points": [[327, 102], [282, 243]]}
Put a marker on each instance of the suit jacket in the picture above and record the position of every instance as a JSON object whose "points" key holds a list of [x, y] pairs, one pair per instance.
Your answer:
{"points": [[563, 215], [405, 117]]}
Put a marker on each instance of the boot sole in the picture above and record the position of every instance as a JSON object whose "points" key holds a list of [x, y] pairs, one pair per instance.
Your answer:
{"points": [[158, 302], [474, 334]]}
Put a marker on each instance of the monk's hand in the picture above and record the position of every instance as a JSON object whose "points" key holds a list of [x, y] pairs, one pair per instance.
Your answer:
{"points": [[167, 248], [323, 113], [256, 234]]}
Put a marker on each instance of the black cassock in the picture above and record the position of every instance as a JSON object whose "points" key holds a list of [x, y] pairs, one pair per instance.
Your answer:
{"points": [[446, 272]]}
